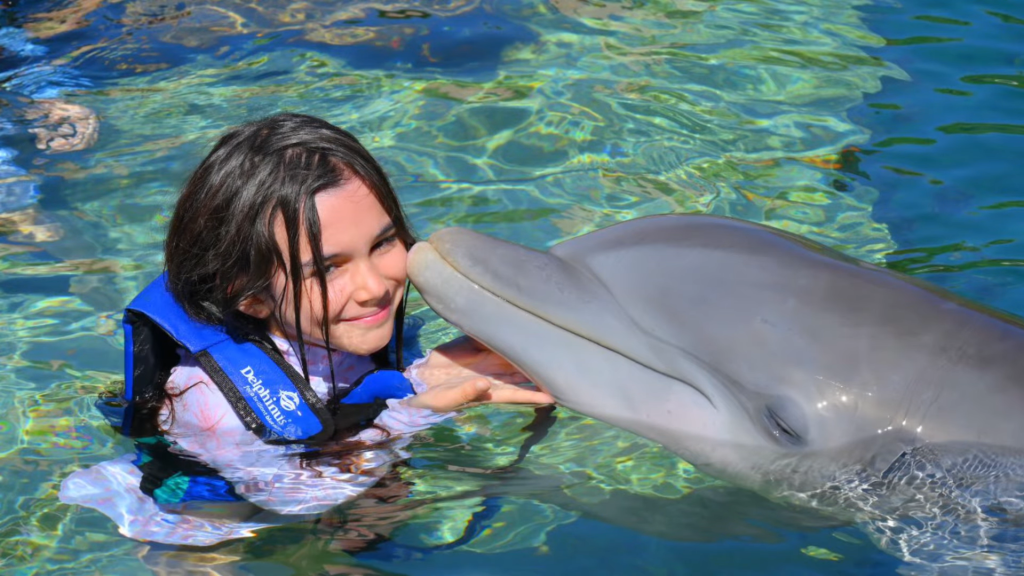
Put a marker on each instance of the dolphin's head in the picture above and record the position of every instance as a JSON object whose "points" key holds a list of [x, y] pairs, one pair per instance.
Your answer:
{"points": [[613, 325]]}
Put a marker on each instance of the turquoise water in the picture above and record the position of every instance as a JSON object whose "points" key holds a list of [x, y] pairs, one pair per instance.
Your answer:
{"points": [[886, 130]]}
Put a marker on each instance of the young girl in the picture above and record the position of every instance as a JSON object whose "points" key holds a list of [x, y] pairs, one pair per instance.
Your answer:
{"points": [[269, 331]]}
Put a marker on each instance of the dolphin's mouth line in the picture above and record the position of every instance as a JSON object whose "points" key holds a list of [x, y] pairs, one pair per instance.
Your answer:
{"points": [[454, 269]]}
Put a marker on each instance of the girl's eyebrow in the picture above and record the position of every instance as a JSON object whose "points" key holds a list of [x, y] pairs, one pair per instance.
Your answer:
{"points": [[385, 230]]}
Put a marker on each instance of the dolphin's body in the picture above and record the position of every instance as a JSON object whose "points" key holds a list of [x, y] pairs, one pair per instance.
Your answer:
{"points": [[768, 361]]}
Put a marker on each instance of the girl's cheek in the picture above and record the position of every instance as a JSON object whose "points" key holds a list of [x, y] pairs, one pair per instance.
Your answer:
{"points": [[313, 298], [396, 264], [337, 295]]}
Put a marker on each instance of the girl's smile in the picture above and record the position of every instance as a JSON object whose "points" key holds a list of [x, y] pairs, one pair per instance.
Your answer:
{"points": [[372, 318]]}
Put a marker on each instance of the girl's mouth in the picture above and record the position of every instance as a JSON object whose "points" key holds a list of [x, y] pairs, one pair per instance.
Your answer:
{"points": [[372, 318]]}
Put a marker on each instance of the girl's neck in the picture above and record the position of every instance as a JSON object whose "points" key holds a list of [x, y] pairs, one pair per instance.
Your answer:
{"points": [[317, 358]]}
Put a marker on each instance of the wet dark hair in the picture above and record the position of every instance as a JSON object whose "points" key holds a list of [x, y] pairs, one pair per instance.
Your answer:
{"points": [[221, 249]]}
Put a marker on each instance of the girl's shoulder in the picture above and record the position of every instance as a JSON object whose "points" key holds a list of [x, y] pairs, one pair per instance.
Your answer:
{"points": [[187, 374], [196, 407]]}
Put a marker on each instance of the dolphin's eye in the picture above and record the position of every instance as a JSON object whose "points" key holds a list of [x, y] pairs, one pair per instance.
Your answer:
{"points": [[778, 427]]}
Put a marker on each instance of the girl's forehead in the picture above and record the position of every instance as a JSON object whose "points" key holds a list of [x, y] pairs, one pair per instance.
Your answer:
{"points": [[351, 219], [351, 205]]}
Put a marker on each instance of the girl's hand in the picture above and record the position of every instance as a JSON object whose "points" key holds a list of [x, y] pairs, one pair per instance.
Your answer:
{"points": [[463, 372]]}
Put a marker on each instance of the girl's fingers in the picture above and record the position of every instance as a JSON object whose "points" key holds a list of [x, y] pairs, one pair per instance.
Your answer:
{"points": [[477, 391], [510, 394], [451, 397], [468, 393], [488, 391], [473, 391]]}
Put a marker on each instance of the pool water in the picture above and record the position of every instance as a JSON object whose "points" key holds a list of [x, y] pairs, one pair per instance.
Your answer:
{"points": [[890, 131]]}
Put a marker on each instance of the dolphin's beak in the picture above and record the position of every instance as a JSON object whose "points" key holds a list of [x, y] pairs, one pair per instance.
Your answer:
{"points": [[539, 283], [471, 308]]}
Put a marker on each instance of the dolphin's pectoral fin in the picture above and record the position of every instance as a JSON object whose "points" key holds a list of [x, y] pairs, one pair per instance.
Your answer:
{"points": [[951, 504]]}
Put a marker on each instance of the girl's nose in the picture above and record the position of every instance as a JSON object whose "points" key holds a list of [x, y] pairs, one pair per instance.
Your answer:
{"points": [[368, 284]]}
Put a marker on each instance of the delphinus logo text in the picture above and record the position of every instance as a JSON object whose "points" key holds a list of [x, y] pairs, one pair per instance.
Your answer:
{"points": [[263, 394]]}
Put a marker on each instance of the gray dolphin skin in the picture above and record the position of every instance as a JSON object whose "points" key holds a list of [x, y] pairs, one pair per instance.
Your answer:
{"points": [[771, 362]]}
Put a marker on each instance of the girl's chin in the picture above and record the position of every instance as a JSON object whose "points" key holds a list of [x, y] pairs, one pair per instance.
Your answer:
{"points": [[366, 344]]}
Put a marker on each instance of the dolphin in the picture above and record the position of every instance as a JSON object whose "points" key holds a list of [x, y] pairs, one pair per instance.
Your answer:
{"points": [[771, 362]]}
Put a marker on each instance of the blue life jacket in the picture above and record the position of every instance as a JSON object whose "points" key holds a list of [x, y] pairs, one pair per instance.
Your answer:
{"points": [[270, 397]]}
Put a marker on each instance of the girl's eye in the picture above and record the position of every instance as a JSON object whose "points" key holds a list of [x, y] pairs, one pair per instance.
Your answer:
{"points": [[329, 268], [385, 243]]}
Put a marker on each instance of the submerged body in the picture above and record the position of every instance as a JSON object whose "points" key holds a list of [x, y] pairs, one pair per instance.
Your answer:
{"points": [[763, 359]]}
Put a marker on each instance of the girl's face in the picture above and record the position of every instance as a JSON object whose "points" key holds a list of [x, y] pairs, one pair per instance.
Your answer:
{"points": [[365, 262]]}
